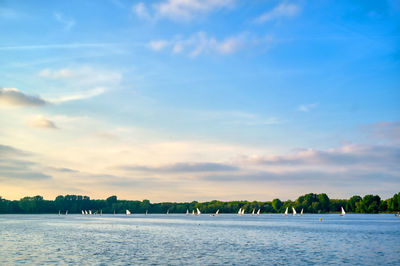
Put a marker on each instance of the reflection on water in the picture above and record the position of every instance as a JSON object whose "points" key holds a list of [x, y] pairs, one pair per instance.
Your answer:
{"points": [[180, 239]]}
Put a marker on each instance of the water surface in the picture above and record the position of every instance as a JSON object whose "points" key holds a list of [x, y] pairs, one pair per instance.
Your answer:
{"points": [[179, 239]]}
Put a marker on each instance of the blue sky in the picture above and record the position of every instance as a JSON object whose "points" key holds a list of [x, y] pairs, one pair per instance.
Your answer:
{"points": [[198, 100]]}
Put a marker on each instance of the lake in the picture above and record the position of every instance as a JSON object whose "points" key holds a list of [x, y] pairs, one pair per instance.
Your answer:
{"points": [[178, 239]]}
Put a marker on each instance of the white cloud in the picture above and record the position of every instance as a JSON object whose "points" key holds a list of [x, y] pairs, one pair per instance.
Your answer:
{"points": [[141, 11], [201, 43], [84, 74], [180, 10], [79, 96], [67, 22], [41, 122], [307, 107], [158, 45], [61, 73], [283, 10], [74, 83]]}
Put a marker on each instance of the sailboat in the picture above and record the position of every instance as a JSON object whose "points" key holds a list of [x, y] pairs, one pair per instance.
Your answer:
{"points": [[101, 212], [215, 214], [294, 212], [59, 213], [258, 212], [252, 213], [198, 212], [187, 212], [90, 212], [146, 212], [240, 212], [83, 213], [114, 212], [343, 212], [286, 212], [86, 213], [128, 212], [243, 211], [301, 213], [192, 212], [167, 212], [66, 212]]}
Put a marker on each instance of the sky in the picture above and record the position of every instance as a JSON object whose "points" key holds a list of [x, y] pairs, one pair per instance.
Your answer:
{"points": [[182, 100]]}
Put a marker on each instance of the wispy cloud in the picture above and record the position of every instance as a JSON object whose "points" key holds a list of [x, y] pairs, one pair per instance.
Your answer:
{"points": [[237, 117], [57, 46], [307, 107], [185, 167], [387, 132], [158, 45], [6, 151], [180, 10], [41, 122], [340, 171], [68, 23], [316, 179], [17, 164], [79, 96], [201, 43], [141, 11], [85, 74], [14, 97], [283, 10], [349, 156], [81, 82]]}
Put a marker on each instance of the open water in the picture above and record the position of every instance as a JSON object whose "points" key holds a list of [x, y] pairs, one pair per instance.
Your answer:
{"points": [[176, 239]]}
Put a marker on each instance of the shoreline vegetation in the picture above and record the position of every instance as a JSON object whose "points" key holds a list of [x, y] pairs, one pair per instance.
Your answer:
{"points": [[311, 203]]}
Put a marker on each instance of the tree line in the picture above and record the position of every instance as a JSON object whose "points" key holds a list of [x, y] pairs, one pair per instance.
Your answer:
{"points": [[311, 203]]}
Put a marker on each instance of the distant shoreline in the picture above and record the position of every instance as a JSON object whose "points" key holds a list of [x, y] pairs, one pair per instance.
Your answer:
{"points": [[309, 203]]}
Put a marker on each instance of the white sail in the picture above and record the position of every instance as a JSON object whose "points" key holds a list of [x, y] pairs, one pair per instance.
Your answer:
{"points": [[101, 212], [86, 212], [146, 212], [243, 211], [301, 213], [294, 212], [192, 212], [343, 212], [83, 213], [240, 211], [66, 212], [90, 212], [217, 212], [198, 212], [187, 212], [258, 212], [128, 212], [167, 212], [114, 212], [252, 213], [286, 212]]}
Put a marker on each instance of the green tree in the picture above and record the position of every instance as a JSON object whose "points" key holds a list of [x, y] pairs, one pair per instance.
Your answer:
{"points": [[277, 205], [323, 203], [351, 203]]}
